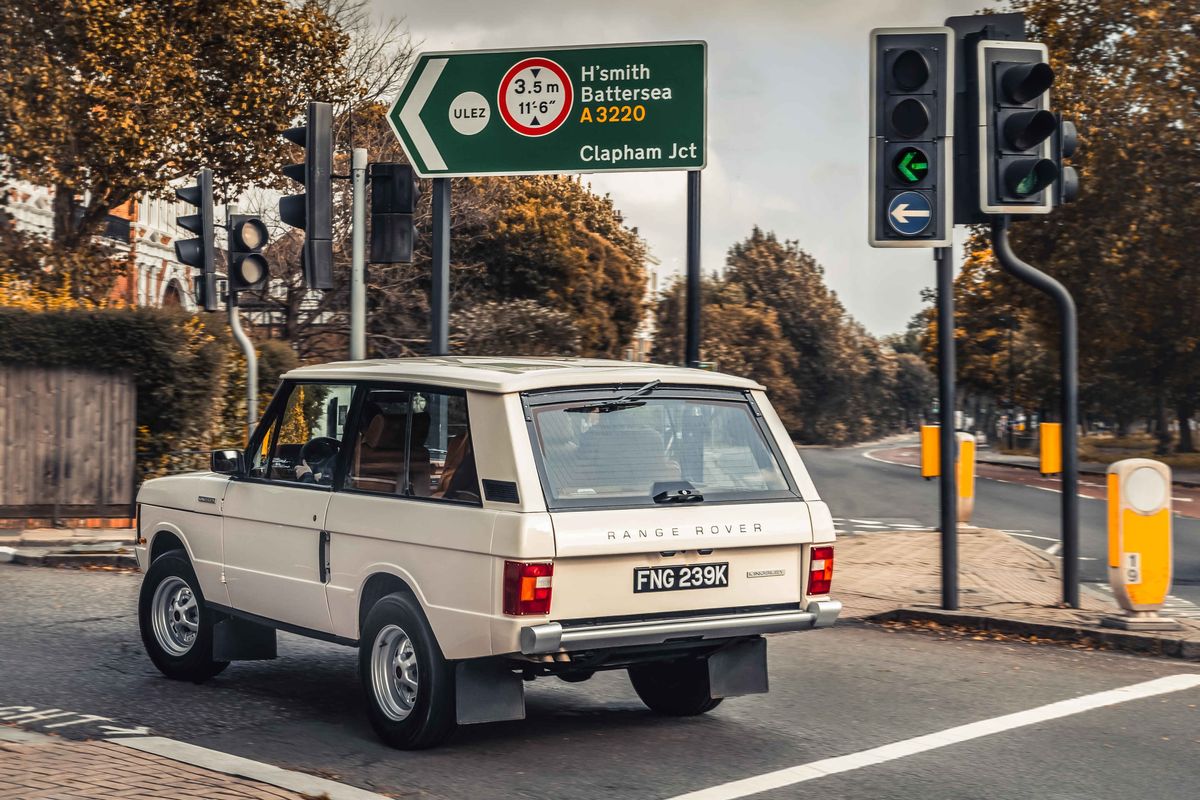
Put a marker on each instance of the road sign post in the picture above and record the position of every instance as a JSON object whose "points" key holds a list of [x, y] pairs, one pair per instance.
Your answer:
{"points": [[602, 108]]}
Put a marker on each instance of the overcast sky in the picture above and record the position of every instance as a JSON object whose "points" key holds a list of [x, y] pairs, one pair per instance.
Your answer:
{"points": [[787, 122]]}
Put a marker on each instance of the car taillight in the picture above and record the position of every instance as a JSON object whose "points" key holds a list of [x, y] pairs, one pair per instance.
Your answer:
{"points": [[527, 587], [820, 570]]}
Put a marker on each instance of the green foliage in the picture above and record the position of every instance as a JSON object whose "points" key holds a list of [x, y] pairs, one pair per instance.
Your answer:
{"points": [[515, 327], [772, 318], [190, 390], [1126, 73], [108, 99], [541, 257]]}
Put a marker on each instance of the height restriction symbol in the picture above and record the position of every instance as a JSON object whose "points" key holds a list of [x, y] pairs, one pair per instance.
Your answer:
{"points": [[535, 96]]}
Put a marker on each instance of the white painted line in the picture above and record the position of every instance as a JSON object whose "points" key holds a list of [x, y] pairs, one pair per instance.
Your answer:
{"points": [[1183, 499], [245, 768], [871, 455], [933, 741], [1054, 548], [1015, 530], [1031, 536], [868, 522]]}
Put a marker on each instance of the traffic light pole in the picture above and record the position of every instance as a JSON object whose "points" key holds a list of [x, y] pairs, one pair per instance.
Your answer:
{"points": [[947, 474], [358, 247], [692, 339], [239, 336], [439, 300], [1069, 346]]}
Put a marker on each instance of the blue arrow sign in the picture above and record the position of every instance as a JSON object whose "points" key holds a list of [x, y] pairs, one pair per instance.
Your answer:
{"points": [[909, 213]]}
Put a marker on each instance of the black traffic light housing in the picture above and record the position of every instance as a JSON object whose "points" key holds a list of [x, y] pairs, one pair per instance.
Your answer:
{"points": [[1018, 166], [1066, 138], [911, 137], [393, 197], [199, 252], [313, 210], [248, 269]]}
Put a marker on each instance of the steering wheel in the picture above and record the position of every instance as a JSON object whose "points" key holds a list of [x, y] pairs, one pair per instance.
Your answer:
{"points": [[319, 449]]}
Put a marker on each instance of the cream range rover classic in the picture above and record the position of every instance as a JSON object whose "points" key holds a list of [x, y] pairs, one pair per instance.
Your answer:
{"points": [[470, 524]]}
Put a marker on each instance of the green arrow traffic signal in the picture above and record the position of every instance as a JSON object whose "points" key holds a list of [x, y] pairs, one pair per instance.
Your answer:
{"points": [[911, 165]]}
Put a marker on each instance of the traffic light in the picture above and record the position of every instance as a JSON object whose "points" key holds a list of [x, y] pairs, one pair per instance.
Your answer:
{"points": [[313, 210], [1065, 140], [393, 195], [1018, 165], [199, 251], [248, 269], [911, 139]]}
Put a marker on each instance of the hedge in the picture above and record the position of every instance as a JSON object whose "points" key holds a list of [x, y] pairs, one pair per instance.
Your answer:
{"points": [[181, 366]]}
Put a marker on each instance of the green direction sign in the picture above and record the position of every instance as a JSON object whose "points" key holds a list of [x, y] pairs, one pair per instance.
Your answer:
{"points": [[911, 164], [599, 108]]}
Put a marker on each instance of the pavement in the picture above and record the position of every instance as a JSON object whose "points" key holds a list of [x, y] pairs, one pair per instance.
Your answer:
{"points": [[39, 766], [1005, 587], [869, 488], [81, 548]]}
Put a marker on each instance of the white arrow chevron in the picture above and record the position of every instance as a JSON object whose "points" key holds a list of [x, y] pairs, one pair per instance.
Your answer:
{"points": [[902, 212], [410, 115]]}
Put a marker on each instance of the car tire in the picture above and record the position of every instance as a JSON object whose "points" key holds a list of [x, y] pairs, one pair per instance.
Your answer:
{"points": [[408, 683], [674, 688], [176, 625]]}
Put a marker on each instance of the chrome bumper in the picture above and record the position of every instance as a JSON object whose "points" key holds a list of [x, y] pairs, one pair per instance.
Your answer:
{"points": [[551, 637]]}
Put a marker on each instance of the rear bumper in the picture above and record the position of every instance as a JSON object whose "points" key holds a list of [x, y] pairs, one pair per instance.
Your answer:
{"points": [[552, 637]]}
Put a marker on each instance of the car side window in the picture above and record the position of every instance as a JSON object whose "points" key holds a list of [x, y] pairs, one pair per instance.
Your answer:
{"points": [[377, 463], [414, 444], [306, 438]]}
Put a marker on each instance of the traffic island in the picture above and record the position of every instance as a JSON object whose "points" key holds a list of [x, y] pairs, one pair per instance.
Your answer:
{"points": [[1008, 590]]}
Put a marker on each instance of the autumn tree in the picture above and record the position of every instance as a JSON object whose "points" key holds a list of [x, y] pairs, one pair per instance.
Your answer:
{"points": [[106, 100], [771, 317], [1126, 71], [737, 336]]}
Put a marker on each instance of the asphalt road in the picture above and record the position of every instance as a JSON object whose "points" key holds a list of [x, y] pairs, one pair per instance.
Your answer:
{"points": [[69, 647], [859, 488]]}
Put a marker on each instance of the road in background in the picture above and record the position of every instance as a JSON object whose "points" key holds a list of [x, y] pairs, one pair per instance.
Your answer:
{"points": [[69, 647], [861, 490]]}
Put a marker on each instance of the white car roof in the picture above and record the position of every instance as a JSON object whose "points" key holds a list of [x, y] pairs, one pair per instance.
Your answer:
{"points": [[502, 374]]}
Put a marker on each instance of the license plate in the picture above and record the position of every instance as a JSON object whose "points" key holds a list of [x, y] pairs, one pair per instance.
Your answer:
{"points": [[682, 576]]}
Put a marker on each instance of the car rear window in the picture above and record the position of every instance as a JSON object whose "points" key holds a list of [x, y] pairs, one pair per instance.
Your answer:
{"points": [[654, 450]]}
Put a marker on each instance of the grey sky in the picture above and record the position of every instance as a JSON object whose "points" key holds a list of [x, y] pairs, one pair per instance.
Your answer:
{"points": [[787, 122]]}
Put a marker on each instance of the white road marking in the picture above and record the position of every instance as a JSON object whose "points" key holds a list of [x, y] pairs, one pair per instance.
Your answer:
{"points": [[1054, 548], [308, 785], [867, 522], [871, 455], [1183, 499], [1017, 531], [933, 741]]}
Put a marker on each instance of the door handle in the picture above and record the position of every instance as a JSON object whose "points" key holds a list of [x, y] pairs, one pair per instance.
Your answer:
{"points": [[323, 556]]}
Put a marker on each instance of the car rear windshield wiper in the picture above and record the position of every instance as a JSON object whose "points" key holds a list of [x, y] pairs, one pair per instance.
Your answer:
{"points": [[617, 403]]}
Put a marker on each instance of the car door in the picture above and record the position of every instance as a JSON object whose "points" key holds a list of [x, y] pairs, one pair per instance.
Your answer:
{"points": [[410, 505], [274, 543]]}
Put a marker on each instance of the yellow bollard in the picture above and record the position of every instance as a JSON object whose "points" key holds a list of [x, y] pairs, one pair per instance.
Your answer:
{"points": [[930, 458], [1050, 438], [966, 476], [1139, 542]]}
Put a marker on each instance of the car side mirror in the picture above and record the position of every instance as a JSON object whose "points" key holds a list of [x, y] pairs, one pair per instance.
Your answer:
{"points": [[228, 462]]}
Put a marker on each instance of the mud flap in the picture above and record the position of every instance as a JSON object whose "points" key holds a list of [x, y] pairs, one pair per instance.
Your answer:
{"points": [[487, 690], [738, 669], [236, 639]]}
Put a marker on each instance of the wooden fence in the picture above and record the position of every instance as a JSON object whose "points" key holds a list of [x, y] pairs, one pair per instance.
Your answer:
{"points": [[67, 442]]}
